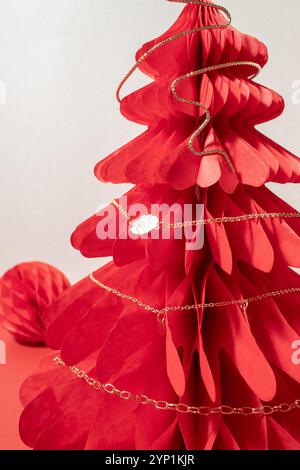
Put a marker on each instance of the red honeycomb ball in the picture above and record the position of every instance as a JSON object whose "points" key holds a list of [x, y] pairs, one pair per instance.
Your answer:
{"points": [[26, 291]]}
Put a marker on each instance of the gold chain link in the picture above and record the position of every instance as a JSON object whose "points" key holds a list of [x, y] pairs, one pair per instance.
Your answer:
{"points": [[195, 73], [216, 220], [121, 209], [179, 407]]}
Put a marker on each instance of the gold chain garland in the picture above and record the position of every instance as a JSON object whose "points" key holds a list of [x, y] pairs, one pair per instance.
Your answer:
{"points": [[215, 220], [161, 313], [195, 73], [179, 407]]}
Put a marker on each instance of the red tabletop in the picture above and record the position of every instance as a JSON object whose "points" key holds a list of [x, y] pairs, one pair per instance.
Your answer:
{"points": [[21, 361]]}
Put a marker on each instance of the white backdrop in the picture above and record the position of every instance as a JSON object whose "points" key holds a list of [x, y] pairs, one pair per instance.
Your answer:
{"points": [[61, 61]]}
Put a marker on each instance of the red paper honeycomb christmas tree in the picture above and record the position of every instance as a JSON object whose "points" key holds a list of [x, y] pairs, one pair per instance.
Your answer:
{"points": [[171, 347]]}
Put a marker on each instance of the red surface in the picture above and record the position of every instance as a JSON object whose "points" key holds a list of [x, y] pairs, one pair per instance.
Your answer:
{"points": [[21, 361]]}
